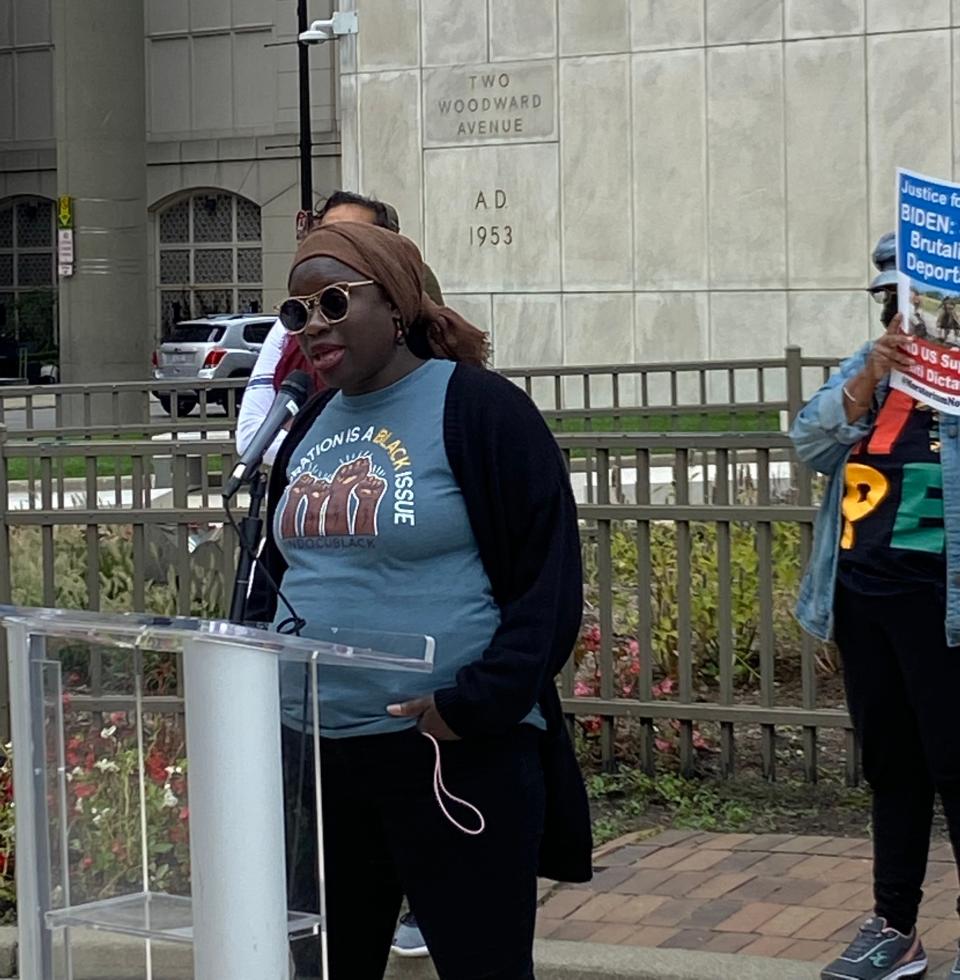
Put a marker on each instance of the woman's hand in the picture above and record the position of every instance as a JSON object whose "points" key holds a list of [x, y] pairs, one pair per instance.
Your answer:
{"points": [[430, 722], [888, 353]]}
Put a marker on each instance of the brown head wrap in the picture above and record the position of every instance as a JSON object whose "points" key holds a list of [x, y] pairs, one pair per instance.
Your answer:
{"points": [[394, 262]]}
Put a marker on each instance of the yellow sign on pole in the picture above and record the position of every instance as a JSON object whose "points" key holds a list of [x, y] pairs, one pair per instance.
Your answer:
{"points": [[65, 212]]}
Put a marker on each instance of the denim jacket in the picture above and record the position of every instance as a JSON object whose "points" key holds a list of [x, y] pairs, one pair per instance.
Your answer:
{"points": [[824, 440]]}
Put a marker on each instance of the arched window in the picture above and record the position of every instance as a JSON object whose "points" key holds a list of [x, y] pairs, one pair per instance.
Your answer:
{"points": [[210, 257], [28, 285]]}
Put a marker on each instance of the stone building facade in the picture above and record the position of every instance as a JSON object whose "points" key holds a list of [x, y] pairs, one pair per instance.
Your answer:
{"points": [[618, 180], [593, 180], [173, 125]]}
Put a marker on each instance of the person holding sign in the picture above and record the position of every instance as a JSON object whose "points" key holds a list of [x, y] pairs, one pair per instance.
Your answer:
{"points": [[884, 583]]}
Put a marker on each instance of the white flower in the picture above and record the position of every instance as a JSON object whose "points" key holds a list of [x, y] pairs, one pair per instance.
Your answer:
{"points": [[169, 800], [108, 732], [106, 765]]}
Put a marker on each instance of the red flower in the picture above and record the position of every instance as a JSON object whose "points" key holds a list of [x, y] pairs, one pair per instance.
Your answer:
{"points": [[84, 790], [156, 767]]}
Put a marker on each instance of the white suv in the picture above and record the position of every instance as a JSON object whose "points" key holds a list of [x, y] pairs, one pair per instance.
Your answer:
{"points": [[211, 348]]}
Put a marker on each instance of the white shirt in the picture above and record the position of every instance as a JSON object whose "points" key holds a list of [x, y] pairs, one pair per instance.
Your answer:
{"points": [[259, 394]]}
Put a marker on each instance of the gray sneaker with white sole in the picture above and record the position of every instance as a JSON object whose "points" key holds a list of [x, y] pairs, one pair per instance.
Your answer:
{"points": [[879, 952]]}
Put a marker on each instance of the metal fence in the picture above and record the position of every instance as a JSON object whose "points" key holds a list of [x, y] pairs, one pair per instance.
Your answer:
{"points": [[661, 393], [692, 542], [149, 537], [668, 394], [114, 410], [693, 547]]}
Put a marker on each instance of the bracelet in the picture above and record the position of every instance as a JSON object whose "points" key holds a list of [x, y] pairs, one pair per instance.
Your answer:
{"points": [[851, 399]]}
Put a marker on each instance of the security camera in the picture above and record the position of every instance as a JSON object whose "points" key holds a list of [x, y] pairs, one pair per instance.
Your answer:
{"points": [[338, 25]]}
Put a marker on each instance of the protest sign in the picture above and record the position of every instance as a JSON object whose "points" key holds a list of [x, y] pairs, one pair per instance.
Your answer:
{"points": [[928, 288]]}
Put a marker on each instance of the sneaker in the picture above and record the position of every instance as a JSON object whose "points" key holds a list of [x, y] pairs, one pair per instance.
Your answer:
{"points": [[878, 953], [408, 939]]}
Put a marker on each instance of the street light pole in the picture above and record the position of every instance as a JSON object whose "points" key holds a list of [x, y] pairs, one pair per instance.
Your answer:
{"points": [[306, 139], [317, 32]]}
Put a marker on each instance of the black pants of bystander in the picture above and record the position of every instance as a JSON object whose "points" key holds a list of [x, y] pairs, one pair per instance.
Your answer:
{"points": [[903, 691]]}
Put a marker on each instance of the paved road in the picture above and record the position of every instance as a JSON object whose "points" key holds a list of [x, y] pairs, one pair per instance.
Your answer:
{"points": [[44, 416]]}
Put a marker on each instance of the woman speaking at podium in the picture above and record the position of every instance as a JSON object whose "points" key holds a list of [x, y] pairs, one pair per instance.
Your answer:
{"points": [[424, 494]]}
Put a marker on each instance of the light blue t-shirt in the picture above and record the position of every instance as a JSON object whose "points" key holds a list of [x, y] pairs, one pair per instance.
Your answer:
{"points": [[374, 531]]}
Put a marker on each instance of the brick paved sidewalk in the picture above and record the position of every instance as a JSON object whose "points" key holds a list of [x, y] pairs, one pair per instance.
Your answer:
{"points": [[798, 898]]}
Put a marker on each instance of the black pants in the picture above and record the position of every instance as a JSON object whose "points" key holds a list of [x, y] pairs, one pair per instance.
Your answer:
{"points": [[385, 836], [903, 690]]}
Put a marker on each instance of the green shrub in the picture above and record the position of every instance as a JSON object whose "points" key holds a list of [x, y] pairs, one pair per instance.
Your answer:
{"points": [[115, 574], [659, 614]]}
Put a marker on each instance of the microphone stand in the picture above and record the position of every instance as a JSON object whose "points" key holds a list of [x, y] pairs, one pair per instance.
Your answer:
{"points": [[251, 527]]}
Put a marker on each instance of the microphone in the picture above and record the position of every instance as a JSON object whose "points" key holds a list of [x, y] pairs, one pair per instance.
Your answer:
{"points": [[291, 397]]}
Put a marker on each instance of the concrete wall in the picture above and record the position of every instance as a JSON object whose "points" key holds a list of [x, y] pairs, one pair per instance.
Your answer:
{"points": [[696, 178]]}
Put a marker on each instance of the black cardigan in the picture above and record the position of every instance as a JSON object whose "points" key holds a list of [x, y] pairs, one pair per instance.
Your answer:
{"points": [[523, 515]]}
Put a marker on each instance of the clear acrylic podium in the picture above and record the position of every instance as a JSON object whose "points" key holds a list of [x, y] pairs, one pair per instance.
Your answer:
{"points": [[90, 799]]}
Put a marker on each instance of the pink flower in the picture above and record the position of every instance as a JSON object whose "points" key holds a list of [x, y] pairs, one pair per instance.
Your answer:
{"points": [[699, 742], [591, 638], [582, 689]]}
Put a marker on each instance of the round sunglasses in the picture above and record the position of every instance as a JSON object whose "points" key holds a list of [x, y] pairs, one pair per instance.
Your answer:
{"points": [[332, 302]]}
